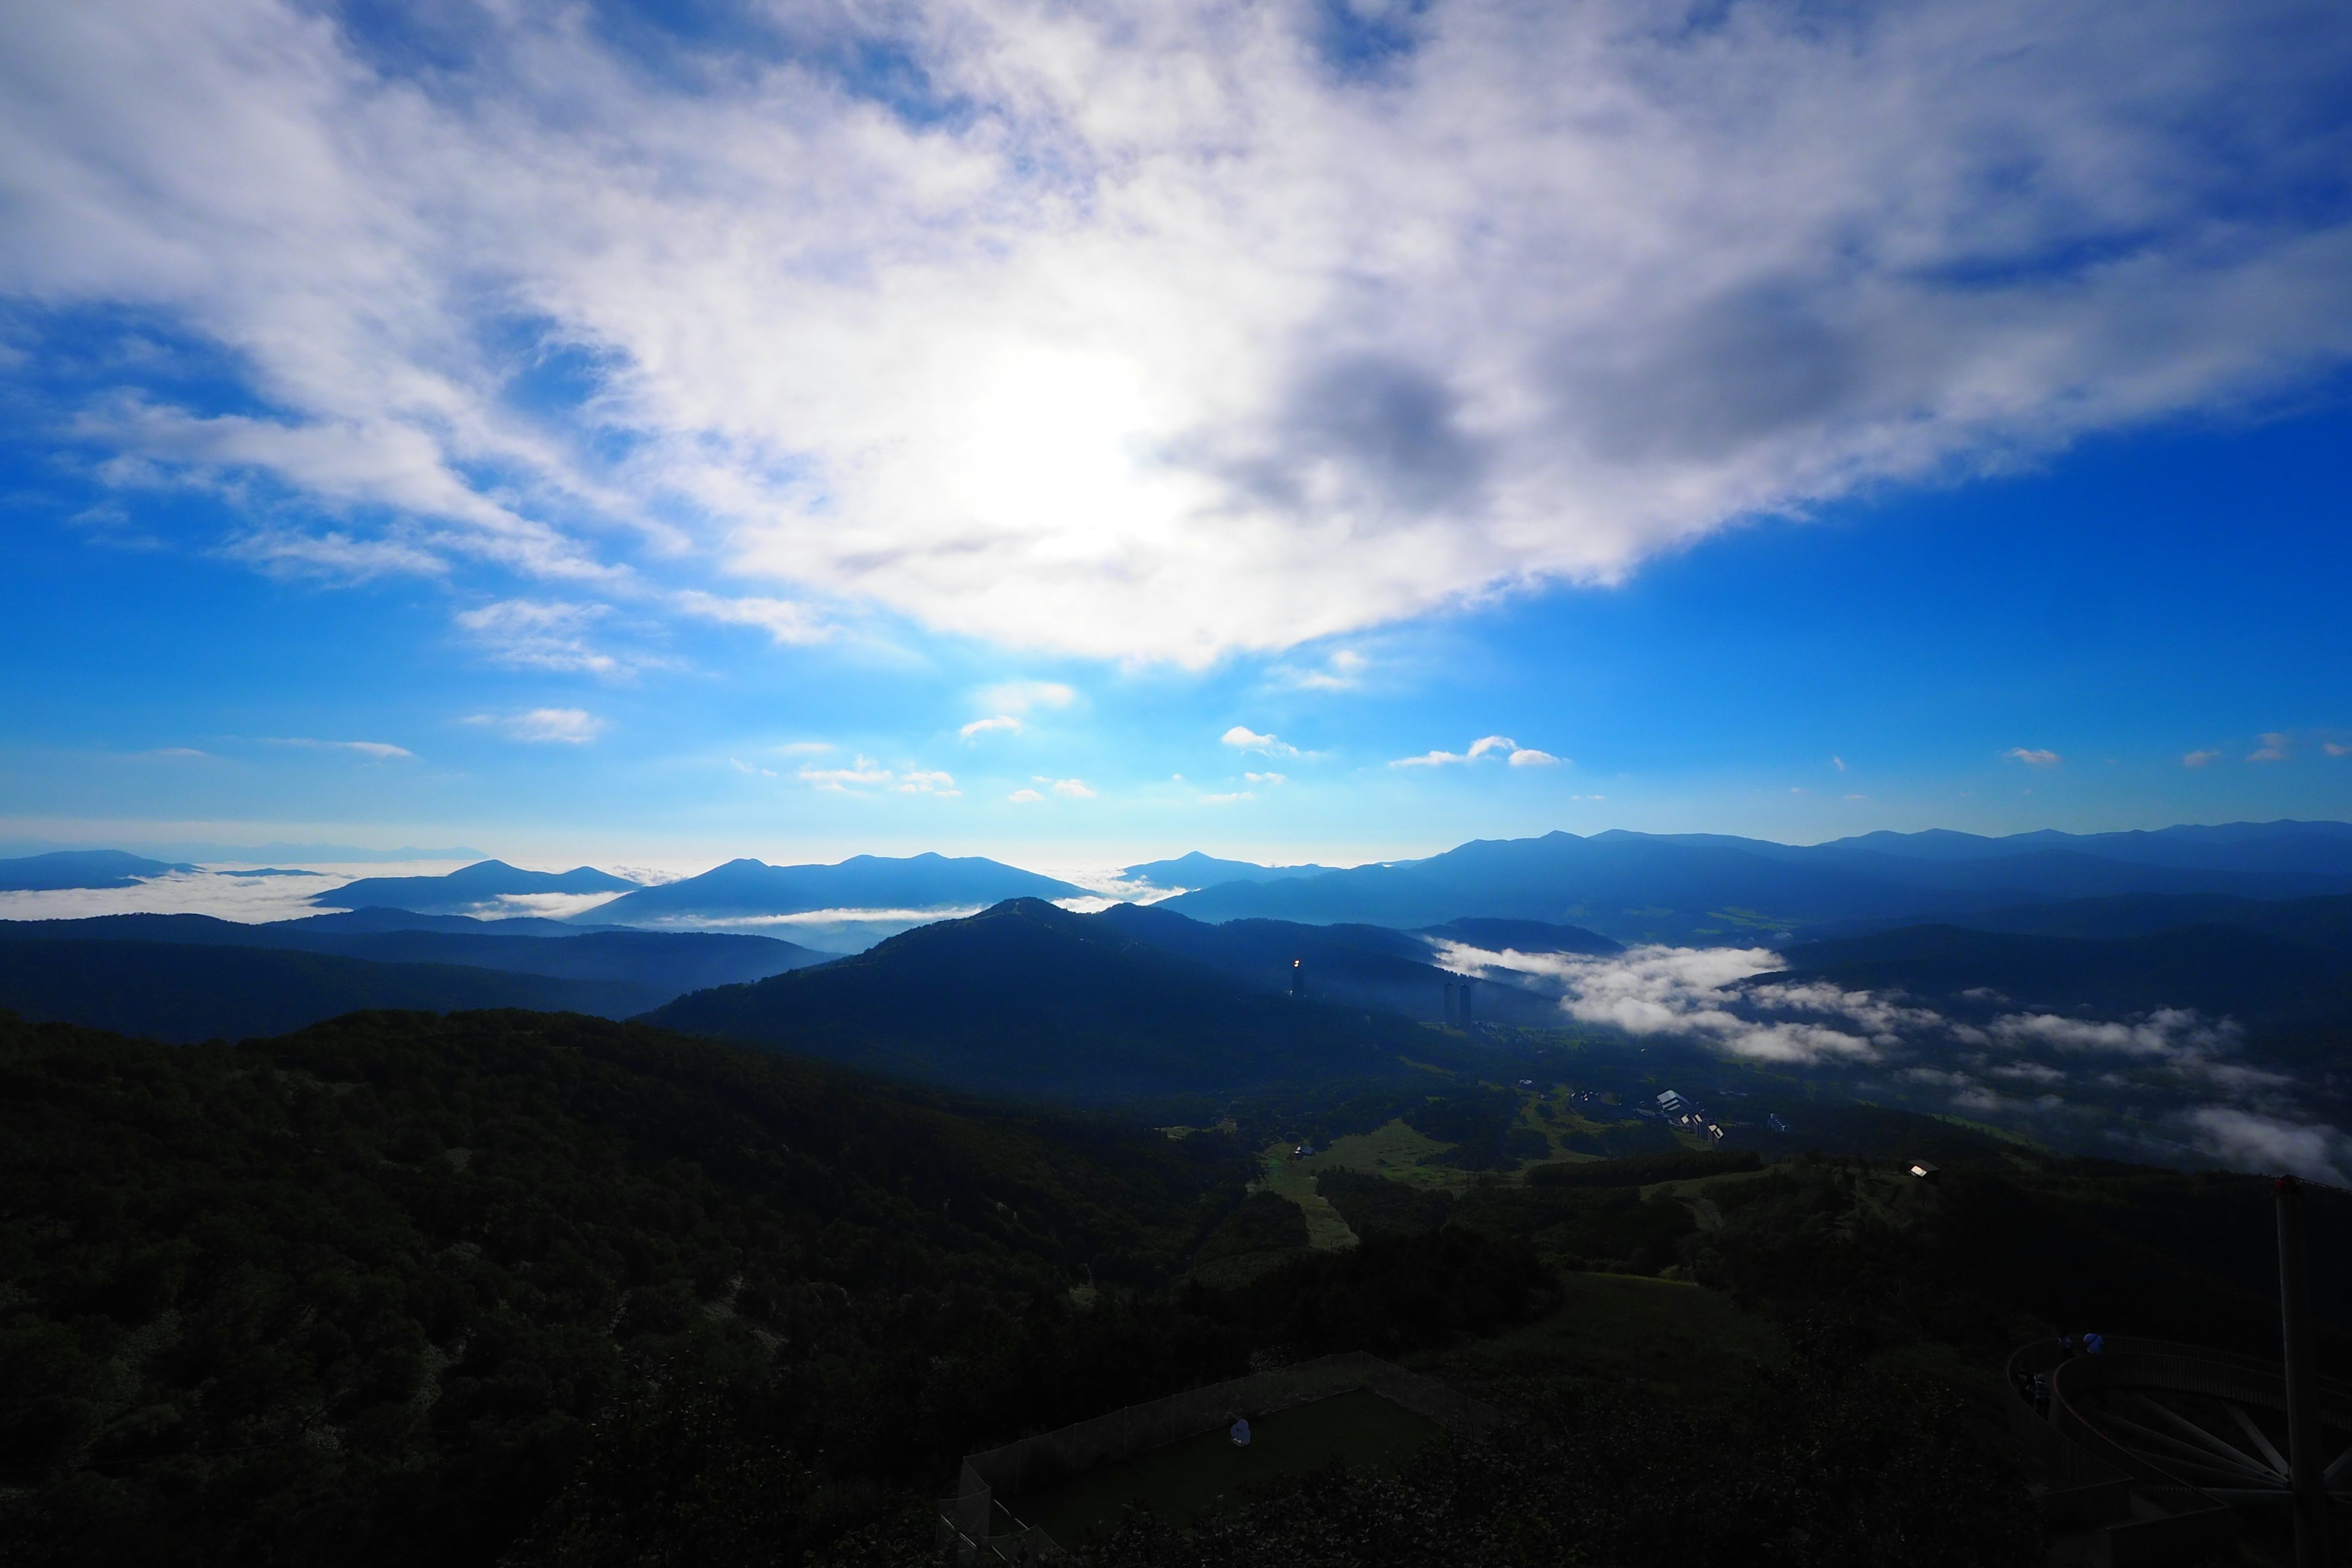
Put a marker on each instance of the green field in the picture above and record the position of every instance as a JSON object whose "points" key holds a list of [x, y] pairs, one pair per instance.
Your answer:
{"points": [[1198, 1475], [1616, 1328]]}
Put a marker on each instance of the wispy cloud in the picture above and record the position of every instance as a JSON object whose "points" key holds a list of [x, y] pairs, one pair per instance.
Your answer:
{"points": [[2032, 758], [1019, 697], [1267, 780], [2205, 759], [2253, 1140], [1838, 762], [2335, 749], [537, 634], [1244, 739], [2274, 749], [1024, 796], [867, 777], [1068, 789], [546, 726], [1343, 671], [378, 751], [787, 622], [1004, 722]]}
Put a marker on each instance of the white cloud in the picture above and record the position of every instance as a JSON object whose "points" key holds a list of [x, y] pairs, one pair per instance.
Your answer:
{"points": [[804, 748], [1244, 739], [534, 634], [1229, 799], [2272, 749], [1013, 697], [2251, 1139], [1267, 780], [865, 775], [2200, 759], [558, 726], [1504, 746], [380, 751], [2335, 750], [1838, 762], [1024, 796], [1068, 789], [1343, 671], [740, 766], [979, 727], [1177, 335], [787, 623], [2034, 759]]}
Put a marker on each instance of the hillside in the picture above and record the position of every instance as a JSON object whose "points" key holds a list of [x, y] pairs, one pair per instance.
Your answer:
{"points": [[362, 1294], [2216, 969], [669, 962], [177, 991], [77, 868], [1025, 999]]}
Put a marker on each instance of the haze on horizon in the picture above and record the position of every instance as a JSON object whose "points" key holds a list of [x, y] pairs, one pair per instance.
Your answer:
{"points": [[1309, 431]]}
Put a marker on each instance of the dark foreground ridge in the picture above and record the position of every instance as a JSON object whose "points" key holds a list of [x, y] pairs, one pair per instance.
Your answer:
{"points": [[538, 1289]]}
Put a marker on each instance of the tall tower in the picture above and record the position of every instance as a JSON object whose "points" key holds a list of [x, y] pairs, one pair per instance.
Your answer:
{"points": [[1467, 983], [1453, 1013]]}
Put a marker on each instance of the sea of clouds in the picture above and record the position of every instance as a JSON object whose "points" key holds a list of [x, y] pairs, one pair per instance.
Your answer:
{"points": [[2181, 1070]]}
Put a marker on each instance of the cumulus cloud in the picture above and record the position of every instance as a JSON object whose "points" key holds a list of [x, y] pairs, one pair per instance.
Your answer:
{"points": [[1267, 780], [379, 750], [1150, 331], [1068, 789], [2200, 759], [1024, 796], [2271, 750], [2032, 758], [1004, 722], [1503, 746]]}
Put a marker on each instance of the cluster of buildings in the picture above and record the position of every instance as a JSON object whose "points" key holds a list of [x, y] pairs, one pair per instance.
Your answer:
{"points": [[1680, 1112]]}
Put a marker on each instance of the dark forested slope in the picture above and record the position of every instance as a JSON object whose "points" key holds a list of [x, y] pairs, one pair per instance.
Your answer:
{"points": [[360, 1294], [1026, 999]]}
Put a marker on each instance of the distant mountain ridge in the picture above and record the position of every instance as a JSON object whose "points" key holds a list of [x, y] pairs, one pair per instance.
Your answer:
{"points": [[1699, 888], [64, 869], [471, 888], [1198, 871], [748, 889]]}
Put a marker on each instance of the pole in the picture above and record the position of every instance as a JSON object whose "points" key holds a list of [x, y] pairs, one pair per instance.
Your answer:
{"points": [[2304, 1435]]}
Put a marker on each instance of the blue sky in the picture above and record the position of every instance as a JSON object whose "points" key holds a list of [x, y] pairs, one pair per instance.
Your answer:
{"points": [[810, 443]]}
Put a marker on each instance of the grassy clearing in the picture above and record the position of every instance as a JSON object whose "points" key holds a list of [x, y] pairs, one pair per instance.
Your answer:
{"points": [[1292, 1179], [1198, 1475], [1614, 1329]]}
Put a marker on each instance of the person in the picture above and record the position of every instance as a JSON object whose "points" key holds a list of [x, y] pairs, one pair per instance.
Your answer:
{"points": [[1241, 1433]]}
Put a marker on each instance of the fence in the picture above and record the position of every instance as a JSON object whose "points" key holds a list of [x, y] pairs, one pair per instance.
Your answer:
{"points": [[975, 1517]]}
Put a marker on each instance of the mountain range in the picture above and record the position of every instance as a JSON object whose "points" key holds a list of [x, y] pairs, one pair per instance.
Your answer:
{"points": [[1709, 888], [79, 868], [479, 886]]}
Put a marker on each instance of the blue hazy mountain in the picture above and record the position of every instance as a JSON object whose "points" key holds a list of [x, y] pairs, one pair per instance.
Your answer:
{"points": [[1199, 870], [747, 889], [2324, 922], [1028, 1000], [190, 991], [1636, 887], [2266, 982], [68, 869], [654, 966], [472, 888], [1359, 965]]}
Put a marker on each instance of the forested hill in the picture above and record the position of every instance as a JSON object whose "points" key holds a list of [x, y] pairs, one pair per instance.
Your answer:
{"points": [[1026, 999], [358, 1294]]}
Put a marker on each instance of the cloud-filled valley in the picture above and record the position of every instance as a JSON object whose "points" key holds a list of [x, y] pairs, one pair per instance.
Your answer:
{"points": [[2151, 1085]]}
